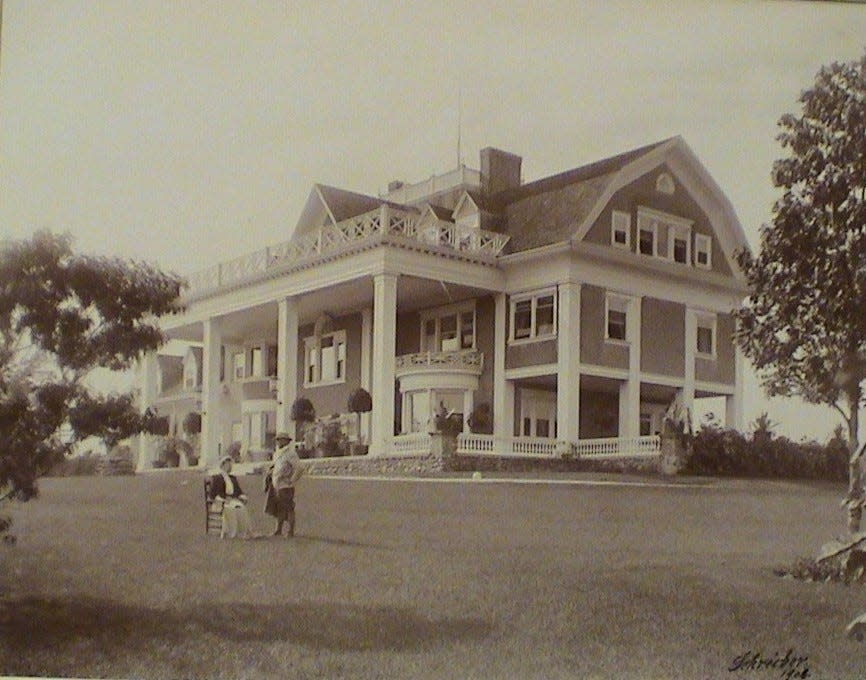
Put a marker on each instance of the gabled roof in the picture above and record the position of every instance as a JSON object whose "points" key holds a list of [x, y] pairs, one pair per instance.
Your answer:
{"points": [[330, 205], [535, 219], [438, 212], [581, 174]]}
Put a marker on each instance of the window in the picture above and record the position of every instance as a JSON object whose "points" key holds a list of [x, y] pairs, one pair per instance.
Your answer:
{"points": [[646, 424], [703, 251], [653, 224], [706, 335], [533, 315], [325, 358], [679, 243], [256, 361], [616, 318], [240, 365], [620, 229], [646, 234], [189, 375], [448, 329]]}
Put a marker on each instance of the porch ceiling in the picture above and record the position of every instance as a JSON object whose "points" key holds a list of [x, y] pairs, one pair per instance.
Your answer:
{"points": [[659, 394], [413, 293]]}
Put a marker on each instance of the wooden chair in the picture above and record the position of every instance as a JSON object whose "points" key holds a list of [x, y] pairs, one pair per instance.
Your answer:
{"points": [[213, 509]]}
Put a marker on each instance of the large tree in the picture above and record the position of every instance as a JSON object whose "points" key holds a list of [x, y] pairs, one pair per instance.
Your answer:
{"points": [[804, 323], [62, 315]]}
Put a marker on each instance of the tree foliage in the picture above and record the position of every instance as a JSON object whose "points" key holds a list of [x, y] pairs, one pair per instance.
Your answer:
{"points": [[62, 315], [804, 324]]}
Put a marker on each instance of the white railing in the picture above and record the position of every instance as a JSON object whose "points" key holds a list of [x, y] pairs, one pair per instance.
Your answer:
{"points": [[412, 443], [386, 221], [487, 444], [469, 360], [539, 447], [407, 193], [617, 447]]}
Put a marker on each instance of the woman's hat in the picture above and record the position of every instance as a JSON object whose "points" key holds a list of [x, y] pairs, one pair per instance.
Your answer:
{"points": [[225, 458], [282, 435]]}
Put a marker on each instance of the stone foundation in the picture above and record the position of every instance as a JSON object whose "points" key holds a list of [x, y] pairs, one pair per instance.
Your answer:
{"points": [[464, 463], [420, 465]]}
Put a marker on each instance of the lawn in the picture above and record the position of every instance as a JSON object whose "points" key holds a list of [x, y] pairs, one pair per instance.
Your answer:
{"points": [[114, 577]]}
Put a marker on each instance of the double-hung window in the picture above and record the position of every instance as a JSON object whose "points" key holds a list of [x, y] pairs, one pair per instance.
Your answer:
{"points": [[616, 317], [620, 229], [325, 359], [533, 315], [703, 251], [448, 329], [706, 336], [647, 234], [239, 365], [679, 243]]}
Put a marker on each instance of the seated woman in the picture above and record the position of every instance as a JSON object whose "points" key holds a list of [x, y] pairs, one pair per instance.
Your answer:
{"points": [[236, 517]]}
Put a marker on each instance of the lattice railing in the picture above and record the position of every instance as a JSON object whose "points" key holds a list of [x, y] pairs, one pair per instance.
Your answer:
{"points": [[385, 221]]}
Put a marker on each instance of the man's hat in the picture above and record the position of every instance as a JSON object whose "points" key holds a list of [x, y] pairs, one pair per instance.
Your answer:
{"points": [[282, 435]]}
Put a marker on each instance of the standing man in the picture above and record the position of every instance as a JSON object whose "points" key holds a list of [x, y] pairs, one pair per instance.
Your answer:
{"points": [[287, 469]]}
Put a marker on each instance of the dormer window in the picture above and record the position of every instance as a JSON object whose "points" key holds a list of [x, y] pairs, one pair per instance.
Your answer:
{"points": [[646, 234], [703, 251], [620, 230], [679, 243]]}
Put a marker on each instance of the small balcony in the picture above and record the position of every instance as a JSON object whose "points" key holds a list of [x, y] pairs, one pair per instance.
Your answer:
{"points": [[467, 362]]}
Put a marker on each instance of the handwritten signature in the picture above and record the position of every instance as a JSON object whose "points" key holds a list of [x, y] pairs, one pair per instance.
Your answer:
{"points": [[789, 665]]}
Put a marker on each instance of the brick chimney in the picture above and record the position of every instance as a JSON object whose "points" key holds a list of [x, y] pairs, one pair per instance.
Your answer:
{"points": [[500, 170]]}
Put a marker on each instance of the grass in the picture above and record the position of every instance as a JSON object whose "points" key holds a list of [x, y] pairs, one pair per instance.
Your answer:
{"points": [[114, 577]]}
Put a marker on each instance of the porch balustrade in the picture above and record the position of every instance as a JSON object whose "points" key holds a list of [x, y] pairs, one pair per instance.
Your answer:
{"points": [[537, 447], [385, 222], [412, 443], [617, 447]]}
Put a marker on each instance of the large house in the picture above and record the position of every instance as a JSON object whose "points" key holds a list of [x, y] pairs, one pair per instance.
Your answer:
{"points": [[577, 307]]}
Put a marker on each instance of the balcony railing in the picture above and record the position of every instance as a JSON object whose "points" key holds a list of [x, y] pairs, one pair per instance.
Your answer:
{"points": [[385, 222], [467, 360]]}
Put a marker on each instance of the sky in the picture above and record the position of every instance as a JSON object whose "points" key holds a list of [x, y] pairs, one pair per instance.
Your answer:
{"points": [[186, 133]]}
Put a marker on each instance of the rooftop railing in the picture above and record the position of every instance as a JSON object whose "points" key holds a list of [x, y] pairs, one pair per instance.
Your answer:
{"points": [[385, 222]]}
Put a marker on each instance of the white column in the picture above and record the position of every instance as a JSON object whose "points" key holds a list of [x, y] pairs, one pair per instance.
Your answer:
{"points": [[287, 361], [468, 405], [384, 349], [503, 390], [629, 393], [734, 402], [147, 380], [211, 395], [691, 331], [366, 365], [568, 363]]}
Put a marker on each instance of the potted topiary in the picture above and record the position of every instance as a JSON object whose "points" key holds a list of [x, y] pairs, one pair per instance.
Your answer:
{"points": [[360, 402], [302, 414]]}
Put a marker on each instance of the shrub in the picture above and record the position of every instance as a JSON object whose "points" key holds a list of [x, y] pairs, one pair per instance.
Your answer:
{"points": [[726, 452], [192, 423], [479, 420], [86, 464]]}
